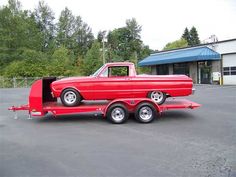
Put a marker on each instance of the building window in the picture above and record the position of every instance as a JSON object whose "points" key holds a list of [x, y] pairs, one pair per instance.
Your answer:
{"points": [[231, 70], [181, 68], [162, 69]]}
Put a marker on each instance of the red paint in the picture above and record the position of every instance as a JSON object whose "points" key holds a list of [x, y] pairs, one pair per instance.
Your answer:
{"points": [[132, 86], [36, 98]]}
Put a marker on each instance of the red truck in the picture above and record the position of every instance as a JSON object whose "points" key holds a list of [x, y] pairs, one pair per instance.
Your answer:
{"points": [[117, 110], [119, 80]]}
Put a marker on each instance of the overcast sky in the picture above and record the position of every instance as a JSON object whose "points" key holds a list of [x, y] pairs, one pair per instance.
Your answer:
{"points": [[162, 21]]}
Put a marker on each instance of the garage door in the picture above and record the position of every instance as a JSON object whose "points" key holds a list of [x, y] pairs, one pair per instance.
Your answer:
{"points": [[229, 69]]}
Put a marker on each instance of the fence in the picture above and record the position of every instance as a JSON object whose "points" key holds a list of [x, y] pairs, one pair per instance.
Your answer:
{"points": [[17, 82]]}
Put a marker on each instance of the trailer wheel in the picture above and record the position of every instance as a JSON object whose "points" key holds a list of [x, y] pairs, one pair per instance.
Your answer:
{"points": [[157, 96], [117, 113], [70, 97], [145, 113]]}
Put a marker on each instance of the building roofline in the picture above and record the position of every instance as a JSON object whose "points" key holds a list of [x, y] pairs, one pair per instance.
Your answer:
{"points": [[196, 46]]}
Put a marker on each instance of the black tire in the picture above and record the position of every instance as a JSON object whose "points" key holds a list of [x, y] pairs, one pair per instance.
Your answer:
{"points": [[157, 100], [145, 113], [118, 117], [74, 101]]}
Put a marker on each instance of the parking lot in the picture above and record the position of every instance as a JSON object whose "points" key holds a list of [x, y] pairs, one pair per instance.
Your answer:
{"points": [[199, 142]]}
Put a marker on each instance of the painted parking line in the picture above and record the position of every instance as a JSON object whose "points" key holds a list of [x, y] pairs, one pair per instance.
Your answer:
{"points": [[222, 87], [216, 87]]}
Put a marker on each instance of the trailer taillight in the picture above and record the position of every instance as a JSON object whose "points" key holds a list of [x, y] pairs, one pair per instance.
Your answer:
{"points": [[36, 114]]}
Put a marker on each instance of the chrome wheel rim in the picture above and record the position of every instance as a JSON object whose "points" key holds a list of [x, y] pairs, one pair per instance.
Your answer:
{"points": [[145, 113], [118, 114], [157, 96], [70, 97]]}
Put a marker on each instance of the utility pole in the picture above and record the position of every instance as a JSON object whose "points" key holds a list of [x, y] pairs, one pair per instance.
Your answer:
{"points": [[103, 51], [103, 47]]}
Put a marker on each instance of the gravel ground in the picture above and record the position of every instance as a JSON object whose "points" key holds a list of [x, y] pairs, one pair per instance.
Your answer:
{"points": [[199, 142]]}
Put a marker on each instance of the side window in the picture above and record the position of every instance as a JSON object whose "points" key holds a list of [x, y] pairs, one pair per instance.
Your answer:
{"points": [[115, 71], [104, 73], [118, 71]]}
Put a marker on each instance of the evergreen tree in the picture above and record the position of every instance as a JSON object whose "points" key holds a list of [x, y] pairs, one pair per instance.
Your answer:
{"points": [[191, 36], [194, 37], [186, 35]]}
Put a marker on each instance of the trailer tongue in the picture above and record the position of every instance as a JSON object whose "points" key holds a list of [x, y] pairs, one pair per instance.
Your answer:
{"points": [[41, 102]]}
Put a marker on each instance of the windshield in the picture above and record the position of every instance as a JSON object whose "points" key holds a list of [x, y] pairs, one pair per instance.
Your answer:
{"points": [[98, 71]]}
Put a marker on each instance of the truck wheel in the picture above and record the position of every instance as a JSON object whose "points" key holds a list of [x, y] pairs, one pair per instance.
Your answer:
{"points": [[117, 114], [70, 97], [145, 113], [157, 96]]}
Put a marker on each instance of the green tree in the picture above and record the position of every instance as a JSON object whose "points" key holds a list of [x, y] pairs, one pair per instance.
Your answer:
{"points": [[134, 28], [33, 64], [82, 37], [44, 17], [125, 43], [14, 6], [73, 33], [186, 35], [194, 39], [176, 44], [61, 64], [191, 36], [144, 52], [65, 28], [18, 31], [92, 60], [119, 41], [101, 35]]}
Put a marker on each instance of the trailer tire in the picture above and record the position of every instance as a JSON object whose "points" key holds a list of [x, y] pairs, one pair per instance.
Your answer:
{"points": [[117, 114], [70, 97], [145, 113]]}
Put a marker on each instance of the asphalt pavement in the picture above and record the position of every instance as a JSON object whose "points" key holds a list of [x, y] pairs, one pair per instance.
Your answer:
{"points": [[197, 143]]}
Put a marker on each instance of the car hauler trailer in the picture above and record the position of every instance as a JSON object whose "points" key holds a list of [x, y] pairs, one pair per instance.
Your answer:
{"points": [[117, 111]]}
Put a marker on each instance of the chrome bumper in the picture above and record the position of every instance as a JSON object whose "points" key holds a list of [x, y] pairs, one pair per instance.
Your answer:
{"points": [[193, 91]]}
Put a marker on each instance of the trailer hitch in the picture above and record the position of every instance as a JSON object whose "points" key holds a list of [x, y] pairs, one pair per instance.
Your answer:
{"points": [[20, 108]]}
